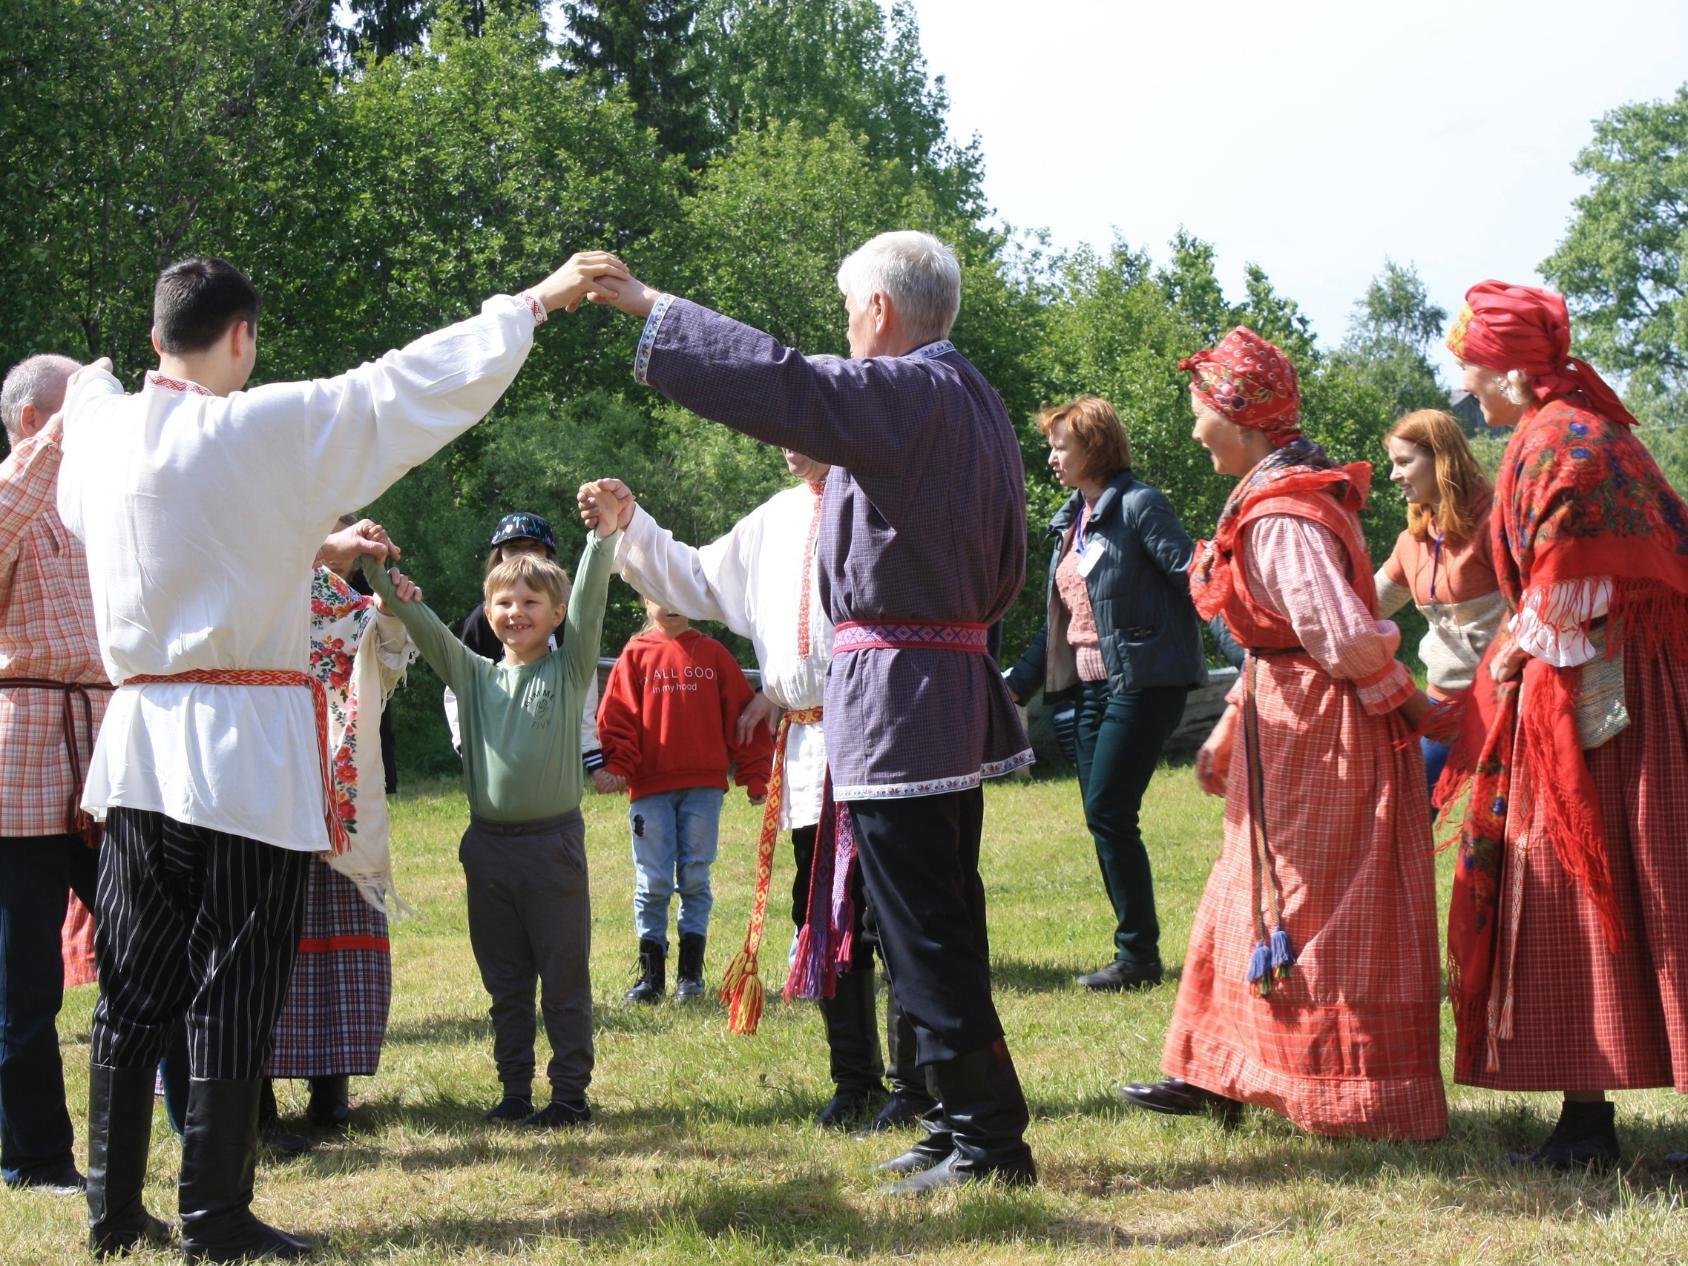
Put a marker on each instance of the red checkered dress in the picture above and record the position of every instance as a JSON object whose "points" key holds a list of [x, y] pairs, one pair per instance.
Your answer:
{"points": [[1348, 1042], [46, 631], [1584, 1017]]}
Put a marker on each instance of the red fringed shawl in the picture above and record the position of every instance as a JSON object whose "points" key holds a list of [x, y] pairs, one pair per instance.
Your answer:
{"points": [[1578, 498]]}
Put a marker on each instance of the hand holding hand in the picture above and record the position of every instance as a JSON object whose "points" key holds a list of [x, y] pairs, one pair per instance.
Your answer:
{"points": [[608, 784], [340, 550], [761, 710], [1213, 761], [625, 294], [576, 280], [404, 590], [606, 505]]}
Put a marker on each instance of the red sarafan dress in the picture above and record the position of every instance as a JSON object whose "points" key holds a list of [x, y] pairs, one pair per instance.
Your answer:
{"points": [[1568, 932], [1327, 833]]}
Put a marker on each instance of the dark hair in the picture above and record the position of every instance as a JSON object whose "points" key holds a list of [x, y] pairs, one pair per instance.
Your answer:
{"points": [[197, 299]]}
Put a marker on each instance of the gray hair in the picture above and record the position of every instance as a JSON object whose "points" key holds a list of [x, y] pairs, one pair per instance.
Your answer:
{"points": [[35, 380], [917, 271]]}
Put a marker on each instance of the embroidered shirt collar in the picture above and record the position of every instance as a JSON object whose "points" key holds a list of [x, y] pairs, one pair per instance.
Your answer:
{"points": [[943, 347], [165, 383]]}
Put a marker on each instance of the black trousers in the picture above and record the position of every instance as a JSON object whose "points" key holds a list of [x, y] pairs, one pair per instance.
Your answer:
{"points": [[530, 922], [194, 922], [920, 863], [37, 875]]}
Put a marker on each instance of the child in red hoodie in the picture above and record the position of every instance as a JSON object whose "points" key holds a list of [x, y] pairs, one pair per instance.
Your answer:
{"points": [[669, 726]]}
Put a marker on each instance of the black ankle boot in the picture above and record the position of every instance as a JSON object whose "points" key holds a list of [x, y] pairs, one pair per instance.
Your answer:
{"points": [[219, 1159], [689, 982], [119, 1134], [330, 1103], [1586, 1135], [651, 974], [852, 1041], [932, 1150], [981, 1096]]}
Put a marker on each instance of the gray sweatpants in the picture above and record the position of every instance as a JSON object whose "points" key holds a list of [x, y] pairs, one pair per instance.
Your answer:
{"points": [[530, 919]]}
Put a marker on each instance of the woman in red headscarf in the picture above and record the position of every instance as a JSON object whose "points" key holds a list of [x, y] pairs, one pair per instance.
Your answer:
{"points": [[1310, 985], [1567, 944]]}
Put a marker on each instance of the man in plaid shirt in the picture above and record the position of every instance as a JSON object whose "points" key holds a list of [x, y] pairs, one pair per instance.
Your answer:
{"points": [[53, 692]]}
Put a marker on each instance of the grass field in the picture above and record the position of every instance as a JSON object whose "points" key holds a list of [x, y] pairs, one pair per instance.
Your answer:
{"points": [[702, 1151]]}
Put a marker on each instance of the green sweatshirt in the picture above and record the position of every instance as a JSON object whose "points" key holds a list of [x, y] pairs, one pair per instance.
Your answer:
{"points": [[521, 724]]}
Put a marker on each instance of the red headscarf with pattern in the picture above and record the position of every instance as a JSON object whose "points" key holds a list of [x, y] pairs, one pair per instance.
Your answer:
{"points": [[1506, 327], [1250, 382]]}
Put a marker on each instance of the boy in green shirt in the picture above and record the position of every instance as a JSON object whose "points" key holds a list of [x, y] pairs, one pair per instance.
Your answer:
{"points": [[524, 854]]}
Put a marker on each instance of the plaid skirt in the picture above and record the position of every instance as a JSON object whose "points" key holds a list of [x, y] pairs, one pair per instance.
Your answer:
{"points": [[335, 1016], [1348, 1043], [1584, 1017]]}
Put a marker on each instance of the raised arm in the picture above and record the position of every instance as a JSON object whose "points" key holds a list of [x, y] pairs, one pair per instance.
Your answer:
{"points": [[866, 414], [584, 630], [711, 583], [453, 661]]}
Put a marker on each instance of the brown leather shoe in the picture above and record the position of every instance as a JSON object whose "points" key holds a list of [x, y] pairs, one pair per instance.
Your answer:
{"points": [[1176, 1098]]}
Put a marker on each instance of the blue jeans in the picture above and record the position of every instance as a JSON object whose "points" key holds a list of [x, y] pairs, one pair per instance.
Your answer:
{"points": [[674, 839], [1435, 757], [37, 875]]}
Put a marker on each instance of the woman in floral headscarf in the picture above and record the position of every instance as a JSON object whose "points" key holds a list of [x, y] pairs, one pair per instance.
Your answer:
{"points": [[1310, 985], [1567, 944]]}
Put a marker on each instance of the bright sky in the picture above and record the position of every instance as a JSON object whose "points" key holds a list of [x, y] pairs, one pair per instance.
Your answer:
{"points": [[1312, 137]]}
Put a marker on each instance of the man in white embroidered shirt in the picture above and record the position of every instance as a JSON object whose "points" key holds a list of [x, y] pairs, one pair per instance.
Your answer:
{"points": [[201, 505]]}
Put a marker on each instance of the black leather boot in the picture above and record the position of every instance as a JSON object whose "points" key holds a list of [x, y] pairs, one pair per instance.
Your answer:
{"points": [[933, 1149], [651, 981], [330, 1104], [852, 1042], [1586, 1135], [219, 1160], [986, 1108], [119, 1135], [689, 982], [911, 1097]]}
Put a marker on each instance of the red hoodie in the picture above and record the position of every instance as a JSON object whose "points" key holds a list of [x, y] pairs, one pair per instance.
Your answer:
{"points": [[668, 715]]}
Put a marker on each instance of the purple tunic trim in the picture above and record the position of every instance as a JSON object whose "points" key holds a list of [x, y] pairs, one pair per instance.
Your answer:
{"points": [[924, 522]]}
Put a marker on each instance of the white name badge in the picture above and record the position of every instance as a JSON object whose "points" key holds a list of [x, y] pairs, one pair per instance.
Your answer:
{"points": [[1089, 555]]}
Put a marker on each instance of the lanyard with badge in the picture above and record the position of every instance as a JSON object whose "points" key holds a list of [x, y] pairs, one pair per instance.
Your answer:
{"points": [[1087, 547]]}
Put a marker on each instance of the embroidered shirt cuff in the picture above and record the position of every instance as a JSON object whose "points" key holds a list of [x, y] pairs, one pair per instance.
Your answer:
{"points": [[647, 340], [1386, 690], [540, 315]]}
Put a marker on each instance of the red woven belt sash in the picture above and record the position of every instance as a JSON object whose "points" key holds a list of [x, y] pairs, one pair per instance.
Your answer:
{"points": [[741, 986], [72, 692], [337, 837], [911, 635]]}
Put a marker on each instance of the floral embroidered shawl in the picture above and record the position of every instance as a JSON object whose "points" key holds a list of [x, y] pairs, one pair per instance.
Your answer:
{"points": [[360, 658]]}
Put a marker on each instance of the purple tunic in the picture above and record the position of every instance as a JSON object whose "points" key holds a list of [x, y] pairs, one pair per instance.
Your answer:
{"points": [[924, 519]]}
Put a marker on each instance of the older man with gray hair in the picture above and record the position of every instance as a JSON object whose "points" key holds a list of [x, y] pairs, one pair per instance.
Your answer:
{"points": [[53, 692], [922, 547]]}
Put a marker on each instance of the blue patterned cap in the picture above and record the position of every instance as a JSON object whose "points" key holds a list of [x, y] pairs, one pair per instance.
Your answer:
{"points": [[524, 527]]}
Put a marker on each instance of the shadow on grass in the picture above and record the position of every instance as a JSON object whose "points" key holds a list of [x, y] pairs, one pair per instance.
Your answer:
{"points": [[1045, 977]]}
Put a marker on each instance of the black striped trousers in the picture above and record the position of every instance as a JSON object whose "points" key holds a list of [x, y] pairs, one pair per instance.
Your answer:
{"points": [[194, 922]]}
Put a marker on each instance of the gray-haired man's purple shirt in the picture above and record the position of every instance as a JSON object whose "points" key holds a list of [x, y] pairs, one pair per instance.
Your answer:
{"points": [[924, 520]]}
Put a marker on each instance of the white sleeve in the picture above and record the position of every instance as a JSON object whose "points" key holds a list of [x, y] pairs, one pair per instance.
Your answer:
{"points": [[1552, 621], [357, 434], [88, 389], [451, 719], [711, 583]]}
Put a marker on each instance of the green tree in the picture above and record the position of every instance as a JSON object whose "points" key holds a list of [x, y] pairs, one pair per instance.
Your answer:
{"points": [[1389, 338], [646, 47], [1623, 266], [139, 132]]}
